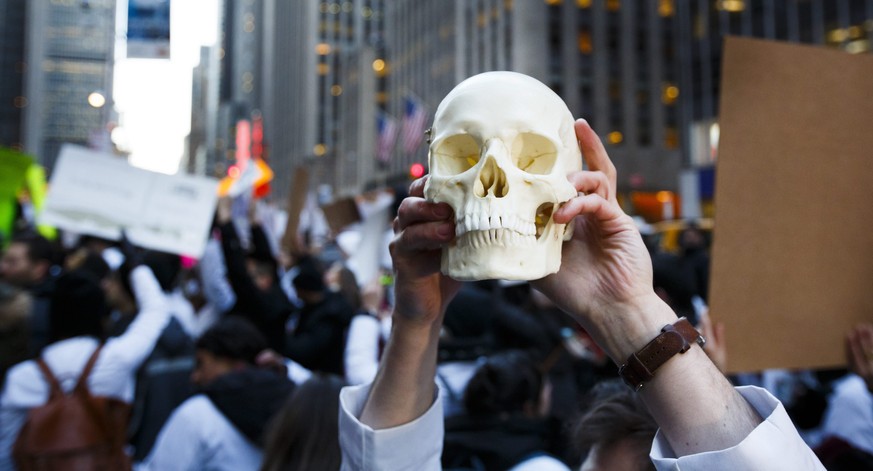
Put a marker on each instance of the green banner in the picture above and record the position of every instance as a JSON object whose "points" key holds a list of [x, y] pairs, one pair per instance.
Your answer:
{"points": [[13, 168], [37, 187]]}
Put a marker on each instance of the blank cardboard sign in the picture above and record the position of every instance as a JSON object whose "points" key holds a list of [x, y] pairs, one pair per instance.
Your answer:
{"points": [[792, 259]]}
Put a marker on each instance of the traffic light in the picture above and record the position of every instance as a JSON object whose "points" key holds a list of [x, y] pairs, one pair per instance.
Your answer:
{"points": [[416, 170]]}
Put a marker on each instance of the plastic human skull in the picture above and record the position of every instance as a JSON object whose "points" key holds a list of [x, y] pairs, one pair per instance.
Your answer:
{"points": [[502, 144]]}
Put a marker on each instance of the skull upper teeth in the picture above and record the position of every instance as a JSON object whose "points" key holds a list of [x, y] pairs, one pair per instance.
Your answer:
{"points": [[480, 222]]}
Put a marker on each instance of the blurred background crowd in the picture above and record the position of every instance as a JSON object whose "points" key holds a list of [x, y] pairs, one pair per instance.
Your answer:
{"points": [[235, 360]]}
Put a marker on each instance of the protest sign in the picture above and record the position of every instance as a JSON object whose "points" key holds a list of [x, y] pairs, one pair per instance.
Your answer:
{"points": [[99, 194], [792, 245], [365, 261], [296, 201], [341, 213]]}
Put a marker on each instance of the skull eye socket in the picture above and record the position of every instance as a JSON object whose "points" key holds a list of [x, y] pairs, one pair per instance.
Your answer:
{"points": [[534, 153], [456, 154]]}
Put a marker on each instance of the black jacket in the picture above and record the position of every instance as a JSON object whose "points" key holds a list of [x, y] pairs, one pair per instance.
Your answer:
{"points": [[268, 311], [494, 444], [249, 399], [319, 339]]}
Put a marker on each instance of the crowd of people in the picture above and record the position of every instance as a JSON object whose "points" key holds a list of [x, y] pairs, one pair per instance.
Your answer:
{"points": [[253, 358]]}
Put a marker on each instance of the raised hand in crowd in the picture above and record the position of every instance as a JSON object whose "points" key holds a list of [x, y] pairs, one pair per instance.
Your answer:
{"points": [[859, 352], [715, 346]]}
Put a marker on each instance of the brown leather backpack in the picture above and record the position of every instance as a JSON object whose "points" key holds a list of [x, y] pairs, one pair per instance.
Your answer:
{"points": [[75, 431]]}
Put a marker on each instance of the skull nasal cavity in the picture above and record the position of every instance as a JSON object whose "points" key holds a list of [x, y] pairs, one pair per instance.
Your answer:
{"points": [[491, 180]]}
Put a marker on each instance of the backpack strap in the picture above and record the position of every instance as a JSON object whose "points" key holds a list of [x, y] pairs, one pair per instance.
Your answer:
{"points": [[54, 385], [83, 378]]}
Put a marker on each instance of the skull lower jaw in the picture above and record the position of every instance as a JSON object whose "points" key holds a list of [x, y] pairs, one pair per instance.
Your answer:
{"points": [[500, 254]]}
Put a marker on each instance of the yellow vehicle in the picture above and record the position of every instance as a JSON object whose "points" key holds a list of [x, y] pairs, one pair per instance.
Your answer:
{"points": [[667, 232]]}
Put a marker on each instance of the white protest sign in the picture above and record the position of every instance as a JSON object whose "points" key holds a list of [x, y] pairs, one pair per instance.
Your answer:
{"points": [[365, 260], [99, 194]]}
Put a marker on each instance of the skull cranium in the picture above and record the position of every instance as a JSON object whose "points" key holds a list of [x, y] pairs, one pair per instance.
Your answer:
{"points": [[502, 144]]}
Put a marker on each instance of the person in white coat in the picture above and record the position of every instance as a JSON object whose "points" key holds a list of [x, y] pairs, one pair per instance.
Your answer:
{"points": [[77, 317], [605, 283], [223, 427]]}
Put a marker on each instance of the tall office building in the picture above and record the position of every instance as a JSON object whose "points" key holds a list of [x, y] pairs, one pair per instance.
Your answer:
{"points": [[12, 100], [324, 89], [644, 73], [241, 75], [201, 144], [68, 74], [841, 24], [611, 61]]}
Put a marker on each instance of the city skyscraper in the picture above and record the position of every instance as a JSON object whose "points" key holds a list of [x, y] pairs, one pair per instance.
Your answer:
{"points": [[644, 73], [68, 75], [12, 68]]}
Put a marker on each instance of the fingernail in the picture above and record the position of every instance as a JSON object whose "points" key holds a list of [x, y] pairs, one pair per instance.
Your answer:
{"points": [[445, 230]]}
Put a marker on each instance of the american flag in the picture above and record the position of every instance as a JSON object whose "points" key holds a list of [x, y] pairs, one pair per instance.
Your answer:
{"points": [[387, 137], [414, 124]]}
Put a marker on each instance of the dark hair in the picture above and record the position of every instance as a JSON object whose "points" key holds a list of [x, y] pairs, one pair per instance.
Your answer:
{"points": [[15, 306], [349, 289], [233, 338], [305, 432], [506, 383], [265, 266], [616, 413], [165, 266], [95, 265], [310, 278], [38, 247], [77, 307]]}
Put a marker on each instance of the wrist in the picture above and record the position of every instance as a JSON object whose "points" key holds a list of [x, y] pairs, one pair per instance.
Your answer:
{"points": [[621, 329]]}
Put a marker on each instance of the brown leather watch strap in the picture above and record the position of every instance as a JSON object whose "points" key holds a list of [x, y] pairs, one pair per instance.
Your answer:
{"points": [[674, 338]]}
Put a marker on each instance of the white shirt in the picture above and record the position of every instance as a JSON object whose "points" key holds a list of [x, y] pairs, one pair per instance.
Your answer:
{"points": [[773, 445], [198, 437], [362, 347], [850, 413], [540, 463], [113, 374]]}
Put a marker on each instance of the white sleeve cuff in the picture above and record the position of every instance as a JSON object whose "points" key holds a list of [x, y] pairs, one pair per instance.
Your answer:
{"points": [[415, 446], [774, 442]]}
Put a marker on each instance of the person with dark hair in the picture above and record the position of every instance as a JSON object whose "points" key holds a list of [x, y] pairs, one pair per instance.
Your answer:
{"points": [[253, 275], [28, 263], [318, 337], [78, 313], [504, 423], [605, 284], [162, 380], [305, 433], [223, 426], [682, 278], [15, 305], [368, 328], [615, 432]]}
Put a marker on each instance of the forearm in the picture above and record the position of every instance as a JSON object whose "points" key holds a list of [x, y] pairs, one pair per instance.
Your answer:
{"points": [[216, 288], [693, 403], [131, 348], [234, 259], [404, 386]]}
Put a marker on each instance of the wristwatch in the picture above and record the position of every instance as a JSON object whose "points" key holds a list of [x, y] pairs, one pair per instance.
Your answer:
{"points": [[674, 338]]}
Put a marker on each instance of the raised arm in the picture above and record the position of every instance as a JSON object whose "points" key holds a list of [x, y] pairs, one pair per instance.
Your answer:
{"points": [[404, 386], [605, 283], [216, 288]]}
